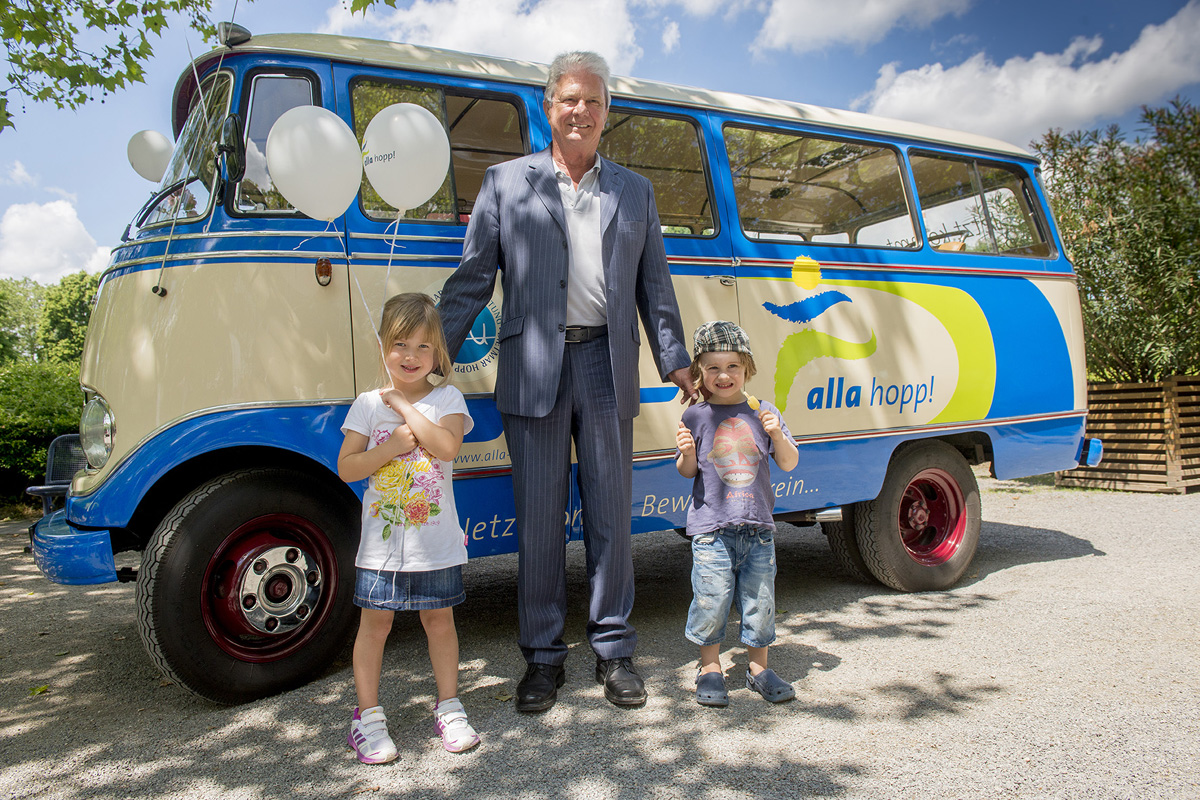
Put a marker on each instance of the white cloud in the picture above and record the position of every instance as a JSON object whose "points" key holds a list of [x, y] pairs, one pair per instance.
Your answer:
{"points": [[670, 36], [806, 25], [46, 241], [532, 30], [17, 175], [1024, 97]]}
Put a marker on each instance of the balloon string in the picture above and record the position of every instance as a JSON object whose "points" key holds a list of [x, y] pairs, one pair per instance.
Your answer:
{"points": [[388, 277], [367, 308], [328, 225]]}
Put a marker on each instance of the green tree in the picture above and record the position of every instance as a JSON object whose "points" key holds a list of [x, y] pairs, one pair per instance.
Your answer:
{"points": [[20, 306], [64, 317], [37, 402], [1129, 213], [66, 51], [8, 341]]}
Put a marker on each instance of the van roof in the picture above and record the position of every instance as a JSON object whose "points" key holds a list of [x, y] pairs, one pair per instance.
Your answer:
{"points": [[418, 58]]}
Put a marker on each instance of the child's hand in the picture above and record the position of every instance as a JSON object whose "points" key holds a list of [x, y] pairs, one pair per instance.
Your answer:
{"points": [[770, 423], [684, 440], [393, 398], [403, 439]]}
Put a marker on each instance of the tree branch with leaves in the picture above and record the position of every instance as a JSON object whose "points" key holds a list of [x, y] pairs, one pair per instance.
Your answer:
{"points": [[67, 52]]}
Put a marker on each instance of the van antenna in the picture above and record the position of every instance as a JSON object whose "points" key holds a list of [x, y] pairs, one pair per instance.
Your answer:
{"points": [[158, 287]]}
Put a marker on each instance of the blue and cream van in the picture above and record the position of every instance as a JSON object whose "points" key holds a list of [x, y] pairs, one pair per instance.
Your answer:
{"points": [[912, 311]]}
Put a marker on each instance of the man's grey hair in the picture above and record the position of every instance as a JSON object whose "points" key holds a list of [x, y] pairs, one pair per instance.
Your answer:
{"points": [[577, 61]]}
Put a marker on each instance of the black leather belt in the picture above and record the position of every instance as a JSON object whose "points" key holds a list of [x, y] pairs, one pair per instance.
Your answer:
{"points": [[582, 333]]}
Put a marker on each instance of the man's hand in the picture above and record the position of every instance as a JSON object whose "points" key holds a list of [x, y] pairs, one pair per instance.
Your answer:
{"points": [[682, 378]]}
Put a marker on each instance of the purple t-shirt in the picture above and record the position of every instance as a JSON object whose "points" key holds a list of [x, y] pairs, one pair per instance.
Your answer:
{"points": [[733, 483]]}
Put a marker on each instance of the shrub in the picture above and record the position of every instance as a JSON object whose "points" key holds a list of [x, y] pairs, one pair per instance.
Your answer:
{"points": [[38, 401]]}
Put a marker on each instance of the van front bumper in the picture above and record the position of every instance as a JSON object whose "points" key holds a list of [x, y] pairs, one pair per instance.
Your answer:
{"points": [[65, 554]]}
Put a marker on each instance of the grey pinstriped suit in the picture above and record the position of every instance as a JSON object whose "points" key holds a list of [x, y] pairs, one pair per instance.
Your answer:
{"points": [[548, 392]]}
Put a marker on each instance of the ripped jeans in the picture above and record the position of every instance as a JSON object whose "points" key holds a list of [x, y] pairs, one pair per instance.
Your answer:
{"points": [[733, 564]]}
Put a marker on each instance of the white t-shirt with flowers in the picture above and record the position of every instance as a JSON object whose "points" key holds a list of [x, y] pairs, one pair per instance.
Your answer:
{"points": [[409, 522]]}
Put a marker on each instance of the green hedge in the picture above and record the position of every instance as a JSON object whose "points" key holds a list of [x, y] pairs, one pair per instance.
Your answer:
{"points": [[38, 401]]}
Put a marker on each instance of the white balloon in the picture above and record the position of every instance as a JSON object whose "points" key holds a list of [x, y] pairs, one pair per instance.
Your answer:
{"points": [[405, 154], [314, 161], [149, 154]]}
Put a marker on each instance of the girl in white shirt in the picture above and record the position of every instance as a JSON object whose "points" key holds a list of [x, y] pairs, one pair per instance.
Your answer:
{"points": [[403, 438]]}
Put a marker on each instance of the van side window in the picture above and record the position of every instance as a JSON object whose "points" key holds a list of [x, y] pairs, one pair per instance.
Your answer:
{"points": [[270, 97], [801, 187], [977, 207], [667, 152], [483, 131]]}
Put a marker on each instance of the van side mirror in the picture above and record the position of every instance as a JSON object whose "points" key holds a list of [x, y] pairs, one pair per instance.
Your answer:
{"points": [[233, 148]]}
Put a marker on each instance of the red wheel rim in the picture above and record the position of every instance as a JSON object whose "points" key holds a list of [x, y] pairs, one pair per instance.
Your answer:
{"points": [[933, 517], [231, 626]]}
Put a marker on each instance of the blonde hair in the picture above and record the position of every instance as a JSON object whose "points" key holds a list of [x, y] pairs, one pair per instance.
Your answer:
{"points": [[402, 315], [746, 359]]}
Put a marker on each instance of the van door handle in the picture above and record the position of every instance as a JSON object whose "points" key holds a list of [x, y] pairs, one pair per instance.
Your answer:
{"points": [[726, 280]]}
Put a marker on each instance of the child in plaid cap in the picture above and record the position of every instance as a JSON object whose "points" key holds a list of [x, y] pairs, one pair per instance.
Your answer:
{"points": [[723, 444]]}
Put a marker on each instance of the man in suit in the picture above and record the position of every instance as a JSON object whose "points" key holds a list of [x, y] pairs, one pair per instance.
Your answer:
{"points": [[577, 241]]}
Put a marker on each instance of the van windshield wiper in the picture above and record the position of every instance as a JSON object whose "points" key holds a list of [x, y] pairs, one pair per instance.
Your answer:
{"points": [[152, 203]]}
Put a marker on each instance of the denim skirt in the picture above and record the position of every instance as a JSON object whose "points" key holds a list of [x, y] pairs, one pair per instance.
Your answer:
{"points": [[408, 591]]}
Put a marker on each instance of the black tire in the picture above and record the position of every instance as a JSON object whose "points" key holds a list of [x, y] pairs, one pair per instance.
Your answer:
{"points": [[246, 587], [844, 545], [921, 532]]}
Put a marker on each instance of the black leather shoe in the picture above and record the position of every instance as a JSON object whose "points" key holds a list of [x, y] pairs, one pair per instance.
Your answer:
{"points": [[622, 684], [538, 690]]}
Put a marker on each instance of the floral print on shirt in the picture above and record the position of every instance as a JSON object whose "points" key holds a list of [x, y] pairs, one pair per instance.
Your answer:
{"points": [[408, 488]]}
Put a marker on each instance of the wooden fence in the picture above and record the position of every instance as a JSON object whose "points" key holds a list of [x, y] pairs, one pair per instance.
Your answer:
{"points": [[1151, 437]]}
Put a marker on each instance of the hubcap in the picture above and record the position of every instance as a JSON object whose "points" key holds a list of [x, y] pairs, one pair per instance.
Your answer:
{"points": [[268, 587], [280, 589], [932, 517]]}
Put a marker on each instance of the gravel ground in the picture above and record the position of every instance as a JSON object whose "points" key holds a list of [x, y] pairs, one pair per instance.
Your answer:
{"points": [[1064, 666]]}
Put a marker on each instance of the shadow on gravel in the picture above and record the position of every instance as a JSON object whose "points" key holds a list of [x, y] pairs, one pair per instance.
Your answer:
{"points": [[1002, 546], [108, 726]]}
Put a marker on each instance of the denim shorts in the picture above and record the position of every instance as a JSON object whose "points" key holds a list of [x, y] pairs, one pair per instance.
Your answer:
{"points": [[733, 565], [408, 591]]}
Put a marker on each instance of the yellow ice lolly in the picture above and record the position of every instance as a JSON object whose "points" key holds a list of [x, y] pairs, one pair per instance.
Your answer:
{"points": [[751, 400]]}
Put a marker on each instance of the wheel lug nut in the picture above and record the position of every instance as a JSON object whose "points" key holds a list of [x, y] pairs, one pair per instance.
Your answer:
{"points": [[312, 577], [249, 601], [272, 623], [291, 555], [302, 612], [260, 566]]}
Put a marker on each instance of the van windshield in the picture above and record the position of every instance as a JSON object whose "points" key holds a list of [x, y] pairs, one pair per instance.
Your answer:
{"points": [[186, 188]]}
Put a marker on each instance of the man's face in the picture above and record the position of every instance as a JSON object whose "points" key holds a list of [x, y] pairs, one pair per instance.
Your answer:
{"points": [[578, 112]]}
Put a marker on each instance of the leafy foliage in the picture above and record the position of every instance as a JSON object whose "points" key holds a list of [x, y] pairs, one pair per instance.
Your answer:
{"points": [[64, 317], [64, 51], [38, 401], [1129, 213], [20, 305]]}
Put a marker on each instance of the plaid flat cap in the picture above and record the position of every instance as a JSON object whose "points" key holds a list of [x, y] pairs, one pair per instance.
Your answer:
{"points": [[720, 336]]}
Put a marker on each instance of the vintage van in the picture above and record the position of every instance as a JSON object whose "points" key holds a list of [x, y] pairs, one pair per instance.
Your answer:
{"points": [[910, 305]]}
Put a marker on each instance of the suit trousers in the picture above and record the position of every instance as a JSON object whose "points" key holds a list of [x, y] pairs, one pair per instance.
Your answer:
{"points": [[585, 411]]}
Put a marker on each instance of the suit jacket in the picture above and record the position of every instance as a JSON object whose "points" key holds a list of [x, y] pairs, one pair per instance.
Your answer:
{"points": [[518, 226]]}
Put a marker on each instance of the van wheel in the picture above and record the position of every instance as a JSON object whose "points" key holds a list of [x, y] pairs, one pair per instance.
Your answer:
{"points": [[921, 532], [844, 545], [246, 587]]}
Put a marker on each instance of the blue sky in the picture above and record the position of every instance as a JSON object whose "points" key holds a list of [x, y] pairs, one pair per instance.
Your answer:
{"points": [[1006, 69]]}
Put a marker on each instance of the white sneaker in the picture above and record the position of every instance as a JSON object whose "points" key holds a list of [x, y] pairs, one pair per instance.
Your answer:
{"points": [[369, 737], [457, 733]]}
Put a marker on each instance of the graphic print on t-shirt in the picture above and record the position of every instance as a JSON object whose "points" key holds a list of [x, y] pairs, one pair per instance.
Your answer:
{"points": [[734, 453], [408, 488]]}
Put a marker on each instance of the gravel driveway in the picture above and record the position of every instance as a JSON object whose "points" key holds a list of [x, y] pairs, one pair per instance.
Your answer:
{"points": [[1065, 665]]}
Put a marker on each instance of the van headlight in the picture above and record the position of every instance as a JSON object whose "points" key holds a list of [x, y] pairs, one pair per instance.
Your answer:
{"points": [[96, 431]]}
